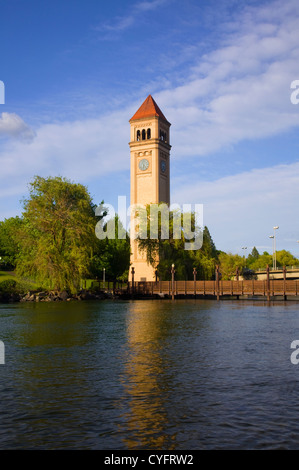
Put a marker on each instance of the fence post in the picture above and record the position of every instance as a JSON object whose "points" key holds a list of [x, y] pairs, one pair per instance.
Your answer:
{"points": [[217, 281], [237, 279], [194, 280], [268, 283], [284, 282], [172, 281], [133, 284]]}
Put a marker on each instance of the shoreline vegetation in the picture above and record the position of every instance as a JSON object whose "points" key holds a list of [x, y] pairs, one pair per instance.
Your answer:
{"points": [[11, 291]]}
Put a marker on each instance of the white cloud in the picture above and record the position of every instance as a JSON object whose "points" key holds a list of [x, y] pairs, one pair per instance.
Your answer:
{"points": [[242, 89], [246, 206], [120, 24], [12, 125], [78, 150]]}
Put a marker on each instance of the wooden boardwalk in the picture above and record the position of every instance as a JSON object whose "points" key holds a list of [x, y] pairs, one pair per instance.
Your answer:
{"points": [[269, 288]]}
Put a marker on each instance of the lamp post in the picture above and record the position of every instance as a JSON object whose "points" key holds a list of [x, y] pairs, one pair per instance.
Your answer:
{"points": [[272, 236], [172, 281], [275, 228]]}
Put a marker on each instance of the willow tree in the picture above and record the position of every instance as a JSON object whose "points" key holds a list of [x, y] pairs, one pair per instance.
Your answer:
{"points": [[161, 251], [57, 239]]}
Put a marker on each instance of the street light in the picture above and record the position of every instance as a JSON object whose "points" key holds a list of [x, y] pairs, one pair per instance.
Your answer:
{"points": [[272, 236], [275, 228]]}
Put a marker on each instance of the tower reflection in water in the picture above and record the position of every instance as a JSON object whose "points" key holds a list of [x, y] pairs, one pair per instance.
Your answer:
{"points": [[148, 378]]}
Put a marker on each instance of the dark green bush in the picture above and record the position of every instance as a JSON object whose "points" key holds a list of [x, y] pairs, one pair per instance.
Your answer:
{"points": [[8, 290], [8, 286]]}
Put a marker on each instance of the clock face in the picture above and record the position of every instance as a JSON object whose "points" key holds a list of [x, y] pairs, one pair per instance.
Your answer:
{"points": [[143, 164], [163, 166]]}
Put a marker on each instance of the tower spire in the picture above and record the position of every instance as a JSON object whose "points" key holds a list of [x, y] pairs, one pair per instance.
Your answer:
{"points": [[149, 108]]}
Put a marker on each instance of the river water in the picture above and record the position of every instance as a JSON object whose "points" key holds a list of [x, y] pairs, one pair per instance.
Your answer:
{"points": [[149, 374]]}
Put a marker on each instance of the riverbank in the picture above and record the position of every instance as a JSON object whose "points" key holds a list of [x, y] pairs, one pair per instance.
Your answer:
{"points": [[52, 296]]}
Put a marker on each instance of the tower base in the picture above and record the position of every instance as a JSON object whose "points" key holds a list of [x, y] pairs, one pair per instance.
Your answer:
{"points": [[143, 271]]}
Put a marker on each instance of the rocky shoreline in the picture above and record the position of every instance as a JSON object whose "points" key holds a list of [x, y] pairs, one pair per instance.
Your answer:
{"points": [[54, 296]]}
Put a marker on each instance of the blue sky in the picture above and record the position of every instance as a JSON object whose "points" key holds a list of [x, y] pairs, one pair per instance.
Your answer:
{"points": [[76, 71]]}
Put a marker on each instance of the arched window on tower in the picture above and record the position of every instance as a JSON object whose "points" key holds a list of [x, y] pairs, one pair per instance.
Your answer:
{"points": [[143, 134], [138, 136], [148, 134], [163, 136]]}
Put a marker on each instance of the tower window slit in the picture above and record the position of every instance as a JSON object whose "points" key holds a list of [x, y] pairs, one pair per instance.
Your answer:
{"points": [[163, 136]]}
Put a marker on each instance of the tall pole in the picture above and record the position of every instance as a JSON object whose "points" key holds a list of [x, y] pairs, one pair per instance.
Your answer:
{"points": [[268, 284], [217, 281], [104, 278], [284, 282], [275, 228], [273, 254]]}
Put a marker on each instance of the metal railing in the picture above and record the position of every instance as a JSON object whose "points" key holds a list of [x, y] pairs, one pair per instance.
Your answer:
{"points": [[280, 269]]}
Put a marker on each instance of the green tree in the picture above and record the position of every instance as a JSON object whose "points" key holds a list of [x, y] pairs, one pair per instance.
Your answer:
{"points": [[172, 250], [9, 245], [58, 237], [113, 254], [208, 248], [285, 258], [229, 264], [206, 259], [262, 261], [253, 256]]}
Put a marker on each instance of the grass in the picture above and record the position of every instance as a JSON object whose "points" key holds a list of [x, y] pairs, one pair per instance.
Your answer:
{"points": [[23, 284], [27, 284], [6, 275]]}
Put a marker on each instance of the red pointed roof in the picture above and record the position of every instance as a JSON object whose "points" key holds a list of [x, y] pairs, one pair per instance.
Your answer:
{"points": [[148, 108]]}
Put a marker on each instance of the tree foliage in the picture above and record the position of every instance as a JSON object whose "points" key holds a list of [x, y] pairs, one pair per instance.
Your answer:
{"points": [[9, 245], [285, 258], [229, 263], [113, 255], [162, 252], [58, 236]]}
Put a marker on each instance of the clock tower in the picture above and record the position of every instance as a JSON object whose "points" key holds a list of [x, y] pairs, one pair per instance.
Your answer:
{"points": [[150, 176]]}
